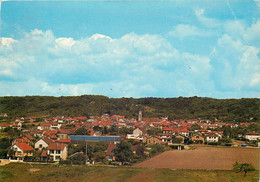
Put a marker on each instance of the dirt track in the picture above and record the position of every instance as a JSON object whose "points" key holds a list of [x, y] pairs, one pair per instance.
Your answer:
{"points": [[203, 158]]}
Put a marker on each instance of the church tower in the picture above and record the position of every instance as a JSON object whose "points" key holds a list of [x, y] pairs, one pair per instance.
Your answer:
{"points": [[140, 117]]}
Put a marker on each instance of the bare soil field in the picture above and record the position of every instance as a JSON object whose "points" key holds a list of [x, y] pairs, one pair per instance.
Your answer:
{"points": [[203, 158]]}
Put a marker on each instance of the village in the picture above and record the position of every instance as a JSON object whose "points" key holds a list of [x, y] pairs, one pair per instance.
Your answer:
{"points": [[56, 139]]}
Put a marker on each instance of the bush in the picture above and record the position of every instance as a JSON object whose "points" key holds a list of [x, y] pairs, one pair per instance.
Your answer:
{"points": [[245, 167], [213, 143]]}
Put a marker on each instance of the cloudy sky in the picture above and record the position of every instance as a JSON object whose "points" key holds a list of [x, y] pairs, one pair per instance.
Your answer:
{"points": [[130, 48]]}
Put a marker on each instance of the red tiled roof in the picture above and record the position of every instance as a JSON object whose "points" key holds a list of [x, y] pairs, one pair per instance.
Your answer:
{"points": [[110, 148], [4, 125], [50, 132], [29, 136], [24, 146], [64, 140], [44, 153], [56, 146], [253, 133], [22, 140], [39, 131]]}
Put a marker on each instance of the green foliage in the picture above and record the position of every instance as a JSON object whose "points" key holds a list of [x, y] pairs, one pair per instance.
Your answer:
{"points": [[245, 167], [140, 150], [78, 159], [99, 156], [5, 143], [154, 131], [70, 126], [231, 110], [176, 139], [225, 140], [156, 149], [12, 132], [195, 127], [81, 131], [123, 152]]}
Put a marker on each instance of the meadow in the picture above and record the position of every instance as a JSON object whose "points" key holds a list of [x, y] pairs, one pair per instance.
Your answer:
{"points": [[45, 172]]}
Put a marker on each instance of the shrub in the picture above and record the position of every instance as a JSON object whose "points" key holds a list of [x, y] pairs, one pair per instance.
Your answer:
{"points": [[245, 167]]}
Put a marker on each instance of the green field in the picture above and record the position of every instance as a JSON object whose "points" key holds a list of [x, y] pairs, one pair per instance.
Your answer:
{"points": [[26, 172]]}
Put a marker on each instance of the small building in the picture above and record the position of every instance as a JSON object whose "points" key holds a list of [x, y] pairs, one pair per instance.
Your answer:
{"points": [[197, 139], [152, 139], [212, 138], [165, 137], [137, 132], [38, 133], [57, 151], [3, 126], [22, 150], [43, 143], [252, 136]]}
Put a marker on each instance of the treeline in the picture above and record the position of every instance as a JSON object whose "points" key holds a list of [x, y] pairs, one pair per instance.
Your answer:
{"points": [[231, 110]]}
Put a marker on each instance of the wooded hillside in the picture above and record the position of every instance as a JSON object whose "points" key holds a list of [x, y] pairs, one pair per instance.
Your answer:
{"points": [[232, 110]]}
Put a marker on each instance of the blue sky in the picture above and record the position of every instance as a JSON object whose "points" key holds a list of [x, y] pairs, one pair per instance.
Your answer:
{"points": [[130, 48]]}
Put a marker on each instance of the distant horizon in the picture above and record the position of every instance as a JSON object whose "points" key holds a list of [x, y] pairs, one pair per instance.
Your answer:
{"points": [[163, 49], [126, 97]]}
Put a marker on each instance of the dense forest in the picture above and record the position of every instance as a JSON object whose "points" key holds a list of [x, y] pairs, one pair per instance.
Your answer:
{"points": [[230, 110]]}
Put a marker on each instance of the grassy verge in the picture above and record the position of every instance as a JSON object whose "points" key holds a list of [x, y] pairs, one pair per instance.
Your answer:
{"points": [[37, 172]]}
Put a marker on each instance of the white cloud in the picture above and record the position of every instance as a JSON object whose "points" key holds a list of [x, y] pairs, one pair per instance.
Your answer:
{"points": [[133, 65], [236, 66], [182, 31], [208, 22]]}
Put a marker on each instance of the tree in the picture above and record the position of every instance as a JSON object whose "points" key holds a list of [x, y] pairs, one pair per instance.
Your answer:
{"points": [[140, 150], [123, 152], [70, 126], [78, 159], [154, 131], [99, 156], [81, 131], [195, 127], [245, 167], [156, 148]]}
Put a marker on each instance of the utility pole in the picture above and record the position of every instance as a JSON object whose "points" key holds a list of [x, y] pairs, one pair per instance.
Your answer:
{"points": [[86, 151]]}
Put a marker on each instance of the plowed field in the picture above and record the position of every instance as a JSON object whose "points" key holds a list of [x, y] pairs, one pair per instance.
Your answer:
{"points": [[203, 158]]}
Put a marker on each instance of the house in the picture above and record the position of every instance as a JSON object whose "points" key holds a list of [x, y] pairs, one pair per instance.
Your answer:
{"points": [[17, 124], [109, 152], [252, 136], [57, 151], [65, 141], [3, 126], [55, 126], [44, 156], [212, 138], [43, 143], [38, 133], [44, 126], [182, 131], [20, 140], [198, 139], [63, 134], [29, 137], [3, 115], [137, 132], [152, 139], [32, 119], [22, 150], [165, 137], [167, 130]]}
